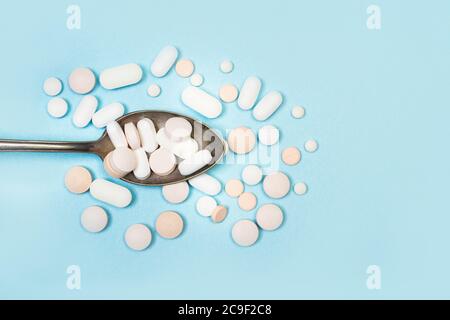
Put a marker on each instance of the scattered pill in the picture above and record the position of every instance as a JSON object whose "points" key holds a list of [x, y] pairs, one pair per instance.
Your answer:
{"points": [[52, 86], [268, 135], [132, 135], [245, 233], [226, 66], [276, 185], [116, 135], [108, 113], [311, 146], [291, 156], [298, 112], [178, 129], [269, 217], [219, 214], [176, 193], [84, 111], [234, 188], [185, 149], [164, 61], [154, 90], [241, 140], [138, 237], [197, 80], [169, 225], [247, 201], [123, 160], [267, 106], [110, 170], [162, 162], [147, 134], [196, 162], [206, 205], [94, 219], [201, 102], [57, 107], [78, 180], [300, 188], [206, 184], [228, 93], [111, 193], [142, 170], [121, 76], [184, 68], [252, 175], [82, 80], [249, 93]]}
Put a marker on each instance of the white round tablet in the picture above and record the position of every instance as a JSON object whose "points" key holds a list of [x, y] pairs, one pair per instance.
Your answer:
{"points": [[57, 107], [154, 90], [178, 129], [94, 219], [197, 80], [162, 162], [176, 193], [206, 205], [245, 233], [276, 185], [311, 146], [252, 175], [269, 217], [300, 188], [226, 66], [268, 135], [298, 112], [52, 86], [138, 237]]}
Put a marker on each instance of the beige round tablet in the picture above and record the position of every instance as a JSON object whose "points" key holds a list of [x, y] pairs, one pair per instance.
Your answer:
{"points": [[178, 129], [291, 156], [78, 180], [184, 68], [219, 214], [311, 146], [247, 201], [241, 140], [228, 93], [300, 188], [94, 219], [245, 233], [176, 193], [276, 185], [110, 170], [269, 217], [123, 160], [154, 90], [234, 188], [138, 237], [169, 225], [82, 80], [298, 112], [162, 162]]}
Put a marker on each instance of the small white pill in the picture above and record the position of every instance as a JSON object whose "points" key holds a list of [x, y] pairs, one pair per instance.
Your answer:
{"points": [[82, 80], [226, 66], [142, 171], [132, 136], [197, 80], [52, 86], [111, 193], [116, 135], [123, 160], [298, 112], [57, 107], [206, 184], [154, 90], [164, 61], [184, 68], [138, 237], [252, 175], [202, 102], [176, 193], [267, 106], [206, 205], [276, 185], [121, 76], [196, 162], [300, 188], [108, 113], [269, 217], [178, 129], [249, 93], [245, 233], [147, 133], [311, 146], [94, 219], [268, 135], [162, 162], [84, 111]]}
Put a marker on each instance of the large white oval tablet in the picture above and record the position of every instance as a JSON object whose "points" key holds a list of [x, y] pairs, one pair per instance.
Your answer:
{"points": [[202, 102], [82, 80], [111, 193], [176, 193], [52, 86], [147, 134], [269, 217], [108, 113], [249, 93], [252, 175], [245, 233], [206, 184], [164, 61], [84, 111], [195, 162], [205, 206], [267, 106], [142, 171], [132, 135], [57, 107], [276, 185], [121, 76], [268, 135], [94, 219], [116, 135], [138, 237]]}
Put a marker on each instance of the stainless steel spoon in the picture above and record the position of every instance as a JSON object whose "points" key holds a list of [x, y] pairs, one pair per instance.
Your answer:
{"points": [[205, 137]]}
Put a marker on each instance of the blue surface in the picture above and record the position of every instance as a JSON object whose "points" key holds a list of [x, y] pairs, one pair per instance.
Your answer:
{"points": [[377, 102]]}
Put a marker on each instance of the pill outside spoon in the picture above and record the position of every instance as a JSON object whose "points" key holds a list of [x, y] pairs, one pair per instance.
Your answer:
{"points": [[205, 137]]}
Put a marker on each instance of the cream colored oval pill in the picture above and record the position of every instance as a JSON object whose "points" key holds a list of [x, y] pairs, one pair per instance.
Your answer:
{"points": [[108, 113], [147, 134], [247, 201], [84, 111], [138, 237], [206, 184], [164, 61], [142, 170], [267, 106], [245, 233], [249, 93], [202, 102], [121, 76], [169, 225], [269, 217], [276, 185], [195, 162], [111, 193]]}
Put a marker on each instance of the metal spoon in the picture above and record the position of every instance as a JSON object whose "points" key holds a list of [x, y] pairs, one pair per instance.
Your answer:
{"points": [[205, 137]]}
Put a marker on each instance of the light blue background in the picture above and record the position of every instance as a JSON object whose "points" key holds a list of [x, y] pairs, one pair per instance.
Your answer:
{"points": [[377, 102]]}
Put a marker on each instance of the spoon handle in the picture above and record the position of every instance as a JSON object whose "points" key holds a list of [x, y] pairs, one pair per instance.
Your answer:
{"points": [[45, 146]]}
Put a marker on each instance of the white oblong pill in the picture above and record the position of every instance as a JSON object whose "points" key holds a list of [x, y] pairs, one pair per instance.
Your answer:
{"points": [[267, 106], [245, 233], [52, 86], [147, 134], [162, 162], [269, 217], [107, 114], [252, 175], [249, 93], [205, 206], [121, 76], [142, 170], [111, 193], [176, 193], [94, 219], [164, 61], [116, 135], [195, 163], [178, 129], [206, 184], [57, 107], [132, 135], [138, 237], [202, 102], [84, 111]]}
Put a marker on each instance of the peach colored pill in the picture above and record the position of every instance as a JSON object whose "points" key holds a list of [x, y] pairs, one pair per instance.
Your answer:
{"points": [[176, 193], [228, 93], [219, 214], [291, 156], [184, 68], [234, 188], [82, 80], [241, 140], [169, 225], [247, 201], [276, 185], [78, 180], [269, 217]]}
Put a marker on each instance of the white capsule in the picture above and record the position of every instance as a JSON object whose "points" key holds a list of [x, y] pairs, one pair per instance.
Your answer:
{"points": [[206, 184], [267, 106], [84, 111], [109, 113], [147, 134], [132, 135], [111, 193], [164, 61], [116, 135], [142, 170], [195, 163], [121, 76], [202, 102], [249, 93]]}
